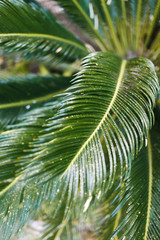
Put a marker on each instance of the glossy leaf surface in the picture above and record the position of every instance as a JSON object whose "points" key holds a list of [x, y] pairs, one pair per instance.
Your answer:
{"points": [[107, 108]]}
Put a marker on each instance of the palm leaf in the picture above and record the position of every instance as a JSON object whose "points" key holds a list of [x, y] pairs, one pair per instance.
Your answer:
{"points": [[19, 137], [19, 94], [83, 13], [96, 92], [115, 98], [139, 216], [34, 32], [23, 196]]}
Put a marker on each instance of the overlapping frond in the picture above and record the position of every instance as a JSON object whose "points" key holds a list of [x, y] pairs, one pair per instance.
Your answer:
{"points": [[107, 109], [34, 32], [135, 212], [16, 141]]}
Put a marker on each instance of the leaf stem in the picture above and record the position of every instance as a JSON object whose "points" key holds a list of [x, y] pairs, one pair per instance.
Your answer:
{"points": [[40, 35], [150, 160], [10, 185], [29, 101], [119, 81], [138, 23], [111, 28]]}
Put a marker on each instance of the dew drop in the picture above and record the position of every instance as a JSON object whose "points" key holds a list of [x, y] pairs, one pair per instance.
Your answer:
{"points": [[28, 107]]}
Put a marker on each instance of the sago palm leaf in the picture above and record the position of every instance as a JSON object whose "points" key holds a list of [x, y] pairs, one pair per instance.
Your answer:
{"points": [[108, 108], [105, 83], [56, 223], [23, 196], [20, 135], [19, 94], [83, 13], [140, 197], [34, 32]]}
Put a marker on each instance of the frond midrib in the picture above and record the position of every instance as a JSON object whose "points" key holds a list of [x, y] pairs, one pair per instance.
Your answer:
{"points": [[119, 81], [16, 180], [150, 162], [29, 101], [45, 36], [103, 47]]}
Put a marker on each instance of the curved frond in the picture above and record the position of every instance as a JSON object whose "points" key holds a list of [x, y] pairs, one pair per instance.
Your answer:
{"points": [[34, 32], [107, 109], [134, 211], [16, 140]]}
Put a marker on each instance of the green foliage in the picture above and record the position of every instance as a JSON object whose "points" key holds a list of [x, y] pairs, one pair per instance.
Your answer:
{"points": [[34, 32], [81, 145]]}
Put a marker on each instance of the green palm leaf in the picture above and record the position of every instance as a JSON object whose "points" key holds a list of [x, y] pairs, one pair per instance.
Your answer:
{"points": [[34, 32], [83, 14], [19, 94], [139, 216], [19, 136], [108, 108]]}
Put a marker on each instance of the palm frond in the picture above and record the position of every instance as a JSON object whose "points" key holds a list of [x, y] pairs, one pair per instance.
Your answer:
{"points": [[32, 31], [82, 12], [20, 134], [23, 196], [135, 209], [19, 94], [115, 97]]}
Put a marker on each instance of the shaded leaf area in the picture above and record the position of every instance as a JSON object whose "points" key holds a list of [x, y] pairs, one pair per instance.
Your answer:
{"points": [[83, 14], [134, 211], [33, 31], [157, 110], [19, 94], [108, 108]]}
